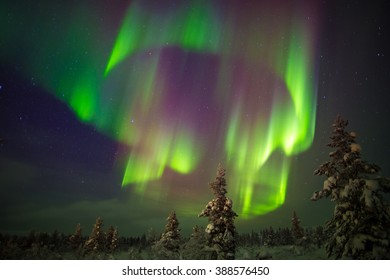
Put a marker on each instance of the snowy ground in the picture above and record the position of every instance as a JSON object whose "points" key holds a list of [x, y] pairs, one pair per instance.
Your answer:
{"points": [[287, 252]]}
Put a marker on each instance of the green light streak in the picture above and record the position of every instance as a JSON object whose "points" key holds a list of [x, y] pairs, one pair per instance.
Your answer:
{"points": [[167, 149], [83, 99], [139, 170], [130, 36], [145, 166], [251, 148], [200, 31], [195, 28], [184, 154], [124, 96], [300, 85]]}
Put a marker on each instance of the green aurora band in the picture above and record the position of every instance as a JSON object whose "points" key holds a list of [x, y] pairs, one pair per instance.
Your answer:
{"points": [[194, 28], [252, 157], [276, 85]]}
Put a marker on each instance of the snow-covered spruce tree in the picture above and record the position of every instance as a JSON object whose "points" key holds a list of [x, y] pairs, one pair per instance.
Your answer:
{"points": [[360, 226], [296, 229], [269, 237], [152, 236], [221, 231], [168, 246], [194, 249], [76, 241], [318, 237], [111, 239], [96, 243]]}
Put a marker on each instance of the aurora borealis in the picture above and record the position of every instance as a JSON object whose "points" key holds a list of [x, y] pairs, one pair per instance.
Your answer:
{"points": [[171, 136], [172, 88]]}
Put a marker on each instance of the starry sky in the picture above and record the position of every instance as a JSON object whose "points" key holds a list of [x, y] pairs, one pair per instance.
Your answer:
{"points": [[123, 109]]}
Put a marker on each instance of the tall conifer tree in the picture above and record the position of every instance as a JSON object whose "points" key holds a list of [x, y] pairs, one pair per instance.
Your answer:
{"points": [[360, 226], [168, 246], [221, 231]]}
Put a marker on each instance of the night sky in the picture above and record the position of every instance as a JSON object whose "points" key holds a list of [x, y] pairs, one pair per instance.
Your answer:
{"points": [[123, 109]]}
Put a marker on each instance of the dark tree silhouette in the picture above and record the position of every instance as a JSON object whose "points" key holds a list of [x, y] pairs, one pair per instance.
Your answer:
{"points": [[194, 249], [296, 229], [221, 231], [112, 239], [169, 244], [360, 226], [76, 239], [96, 243]]}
